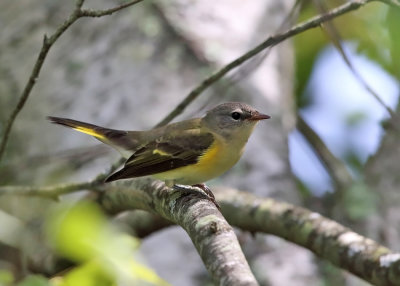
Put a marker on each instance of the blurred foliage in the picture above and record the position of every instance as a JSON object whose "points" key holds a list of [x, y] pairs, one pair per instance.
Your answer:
{"points": [[104, 255], [359, 201], [374, 28], [34, 280], [393, 24], [6, 277]]}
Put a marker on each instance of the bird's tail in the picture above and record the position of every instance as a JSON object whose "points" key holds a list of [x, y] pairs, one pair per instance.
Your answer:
{"points": [[116, 138]]}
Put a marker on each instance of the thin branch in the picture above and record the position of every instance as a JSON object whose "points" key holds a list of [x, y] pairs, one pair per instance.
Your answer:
{"points": [[269, 42], [47, 44], [212, 236], [336, 168], [335, 37], [47, 191], [100, 13], [55, 191]]}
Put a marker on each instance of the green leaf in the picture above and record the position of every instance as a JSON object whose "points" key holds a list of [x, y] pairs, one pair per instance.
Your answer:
{"points": [[83, 234], [393, 24], [34, 280], [6, 277]]}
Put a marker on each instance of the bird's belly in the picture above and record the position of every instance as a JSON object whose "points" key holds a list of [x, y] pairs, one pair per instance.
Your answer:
{"points": [[214, 162]]}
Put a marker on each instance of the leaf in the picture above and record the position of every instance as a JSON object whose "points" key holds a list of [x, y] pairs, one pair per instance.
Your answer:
{"points": [[393, 24], [6, 277], [34, 280], [82, 233]]}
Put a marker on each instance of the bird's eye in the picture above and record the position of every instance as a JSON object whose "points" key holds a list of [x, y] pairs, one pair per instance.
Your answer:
{"points": [[236, 115]]}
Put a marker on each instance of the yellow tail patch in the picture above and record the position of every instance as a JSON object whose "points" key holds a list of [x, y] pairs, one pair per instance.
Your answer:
{"points": [[89, 132]]}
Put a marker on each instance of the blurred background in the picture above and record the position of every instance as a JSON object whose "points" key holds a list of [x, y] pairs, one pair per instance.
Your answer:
{"points": [[331, 145]]}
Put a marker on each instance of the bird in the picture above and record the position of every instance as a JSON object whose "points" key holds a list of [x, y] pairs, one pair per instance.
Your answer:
{"points": [[188, 152]]}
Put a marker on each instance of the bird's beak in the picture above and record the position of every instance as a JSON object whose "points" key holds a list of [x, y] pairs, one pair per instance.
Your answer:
{"points": [[258, 116]]}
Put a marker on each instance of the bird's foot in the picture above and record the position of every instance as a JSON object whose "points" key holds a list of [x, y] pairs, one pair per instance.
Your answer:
{"points": [[206, 192], [210, 194]]}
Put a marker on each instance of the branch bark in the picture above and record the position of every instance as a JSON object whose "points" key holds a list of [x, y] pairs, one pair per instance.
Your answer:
{"points": [[328, 239], [212, 236]]}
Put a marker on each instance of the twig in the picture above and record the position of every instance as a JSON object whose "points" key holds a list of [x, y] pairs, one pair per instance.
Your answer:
{"points": [[48, 191], [55, 191], [335, 37], [48, 42], [336, 168], [271, 41], [100, 13]]}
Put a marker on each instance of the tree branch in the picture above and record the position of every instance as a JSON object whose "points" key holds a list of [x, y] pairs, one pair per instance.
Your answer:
{"points": [[54, 192], [100, 13], [328, 239], [192, 210], [335, 37], [47, 44], [142, 223], [269, 42], [336, 168], [212, 236], [47, 191]]}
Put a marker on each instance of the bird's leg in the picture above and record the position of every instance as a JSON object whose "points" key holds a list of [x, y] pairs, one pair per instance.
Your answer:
{"points": [[206, 192], [209, 193]]}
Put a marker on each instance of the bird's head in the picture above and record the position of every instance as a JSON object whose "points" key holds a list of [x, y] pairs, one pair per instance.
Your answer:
{"points": [[233, 119]]}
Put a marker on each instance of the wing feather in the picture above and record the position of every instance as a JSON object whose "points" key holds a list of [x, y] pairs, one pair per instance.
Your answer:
{"points": [[164, 154]]}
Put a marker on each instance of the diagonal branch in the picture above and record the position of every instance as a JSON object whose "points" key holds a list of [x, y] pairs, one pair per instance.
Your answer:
{"points": [[212, 236], [335, 37], [328, 239], [336, 168], [269, 42], [48, 42]]}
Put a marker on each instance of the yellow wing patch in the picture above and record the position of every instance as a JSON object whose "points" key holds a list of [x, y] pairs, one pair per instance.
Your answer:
{"points": [[89, 132], [160, 152]]}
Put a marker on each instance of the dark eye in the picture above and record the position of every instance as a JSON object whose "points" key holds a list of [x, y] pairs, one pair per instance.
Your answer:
{"points": [[236, 115]]}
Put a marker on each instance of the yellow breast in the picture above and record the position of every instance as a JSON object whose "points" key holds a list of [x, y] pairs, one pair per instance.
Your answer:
{"points": [[216, 160]]}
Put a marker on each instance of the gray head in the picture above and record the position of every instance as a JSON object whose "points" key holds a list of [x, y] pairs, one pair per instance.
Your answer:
{"points": [[233, 119]]}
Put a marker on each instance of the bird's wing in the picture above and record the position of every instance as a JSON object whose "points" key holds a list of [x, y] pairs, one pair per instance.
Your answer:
{"points": [[164, 154]]}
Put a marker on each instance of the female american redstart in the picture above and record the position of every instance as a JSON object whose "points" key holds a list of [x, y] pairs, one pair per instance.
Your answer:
{"points": [[188, 152]]}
